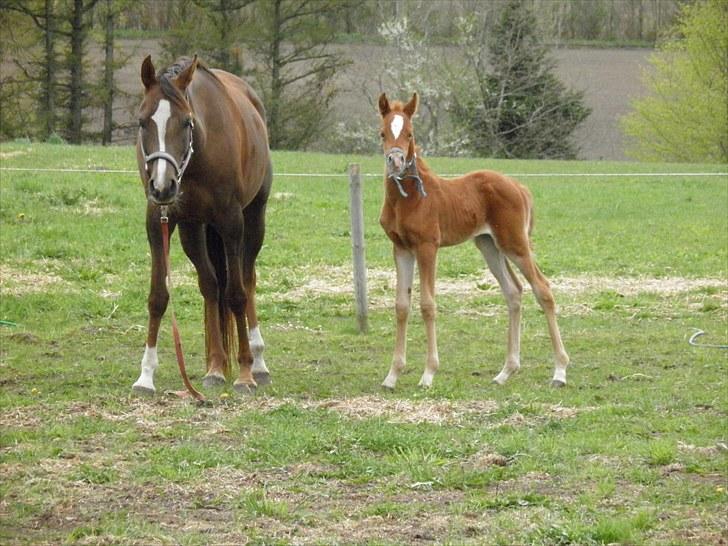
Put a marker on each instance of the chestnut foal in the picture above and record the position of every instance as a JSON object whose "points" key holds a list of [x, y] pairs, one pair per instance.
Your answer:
{"points": [[423, 212]]}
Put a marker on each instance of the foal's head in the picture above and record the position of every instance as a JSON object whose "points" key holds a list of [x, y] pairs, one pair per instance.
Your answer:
{"points": [[165, 129], [398, 139]]}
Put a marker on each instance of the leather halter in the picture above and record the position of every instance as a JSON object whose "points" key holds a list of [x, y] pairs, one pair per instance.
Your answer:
{"points": [[412, 163], [169, 158]]}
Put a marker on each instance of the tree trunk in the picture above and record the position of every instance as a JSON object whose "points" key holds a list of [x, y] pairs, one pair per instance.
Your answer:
{"points": [[50, 68], [276, 83], [76, 70], [108, 75]]}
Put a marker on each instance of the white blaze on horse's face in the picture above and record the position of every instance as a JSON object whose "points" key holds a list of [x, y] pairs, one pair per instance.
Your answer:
{"points": [[396, 125], [160, 118]]}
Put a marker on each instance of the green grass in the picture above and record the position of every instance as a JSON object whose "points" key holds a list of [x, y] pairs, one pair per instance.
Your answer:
{"points": [[629, 453]]}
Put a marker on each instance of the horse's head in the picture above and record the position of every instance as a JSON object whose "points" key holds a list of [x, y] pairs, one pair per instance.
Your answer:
{"points": [[398, 139], [166, 125]]}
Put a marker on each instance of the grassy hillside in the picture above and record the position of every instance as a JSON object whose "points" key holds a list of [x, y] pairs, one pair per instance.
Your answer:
{"points": [[632, 451]]}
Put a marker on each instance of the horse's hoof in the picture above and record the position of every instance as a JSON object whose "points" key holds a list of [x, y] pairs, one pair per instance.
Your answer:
{"points": [[244, 389], [262, 378], [558, 384], [143, 391], [213, 380]]}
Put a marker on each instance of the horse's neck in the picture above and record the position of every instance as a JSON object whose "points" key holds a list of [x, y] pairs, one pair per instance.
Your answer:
{"points": [[429, 178]]}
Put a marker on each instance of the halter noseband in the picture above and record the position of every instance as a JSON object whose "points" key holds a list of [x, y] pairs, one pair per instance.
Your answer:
{"points": [[416, 175], [169, 158]]}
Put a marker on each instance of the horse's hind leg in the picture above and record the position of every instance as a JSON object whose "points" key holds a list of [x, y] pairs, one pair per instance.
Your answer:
{"points": [[542, 291], [235, 295], [512, 289], [156, 303], [253, 241], [194, 243]]}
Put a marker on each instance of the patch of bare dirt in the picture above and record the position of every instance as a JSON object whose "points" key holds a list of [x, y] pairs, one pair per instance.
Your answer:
{"points": [[16, 282], [15, 153], [337, 280]]}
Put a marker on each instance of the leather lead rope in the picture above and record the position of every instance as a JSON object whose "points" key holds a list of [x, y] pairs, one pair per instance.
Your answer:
{"points": [[164, 219]]}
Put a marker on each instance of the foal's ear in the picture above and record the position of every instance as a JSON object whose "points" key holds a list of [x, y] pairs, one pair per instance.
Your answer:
{"points": [[185, 77], [384, 108], [411, 107], [148, 76]]}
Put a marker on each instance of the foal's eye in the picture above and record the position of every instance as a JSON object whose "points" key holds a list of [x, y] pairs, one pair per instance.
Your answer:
{"points": [[187, 122], [381, 135]]}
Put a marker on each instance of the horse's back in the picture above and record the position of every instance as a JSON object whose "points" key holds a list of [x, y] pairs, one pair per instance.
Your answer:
{"points": [[240, 89], [255, 164]]}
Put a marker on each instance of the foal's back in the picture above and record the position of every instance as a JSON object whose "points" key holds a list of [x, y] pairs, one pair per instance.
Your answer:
{"points": [[483, 202]]}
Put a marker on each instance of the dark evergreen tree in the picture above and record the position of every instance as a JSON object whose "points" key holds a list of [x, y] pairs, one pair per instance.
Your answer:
{"points": [[517, 107]]}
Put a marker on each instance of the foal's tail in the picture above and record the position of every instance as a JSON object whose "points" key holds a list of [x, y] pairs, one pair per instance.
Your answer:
{"points": [[216, 253]]}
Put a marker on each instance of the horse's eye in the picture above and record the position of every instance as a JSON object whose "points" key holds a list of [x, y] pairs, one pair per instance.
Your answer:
{"points": [[142, 123], [381, 134]]}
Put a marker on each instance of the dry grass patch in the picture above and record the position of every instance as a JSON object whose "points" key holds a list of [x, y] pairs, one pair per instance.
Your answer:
{"points": [[313, 281]]}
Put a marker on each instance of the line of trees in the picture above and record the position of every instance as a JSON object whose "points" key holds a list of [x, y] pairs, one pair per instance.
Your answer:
{"points": [[288, 50]]}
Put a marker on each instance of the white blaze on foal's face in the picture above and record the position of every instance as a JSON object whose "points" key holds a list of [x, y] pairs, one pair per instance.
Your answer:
{"points": [[160, 118], [396, 125]]}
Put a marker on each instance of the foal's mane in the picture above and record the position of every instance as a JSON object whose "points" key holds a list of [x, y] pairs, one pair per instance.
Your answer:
{"points": [[166, 75]]}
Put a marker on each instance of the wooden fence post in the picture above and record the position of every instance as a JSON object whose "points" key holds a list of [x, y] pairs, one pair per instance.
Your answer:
{"points": [[356, 206]]}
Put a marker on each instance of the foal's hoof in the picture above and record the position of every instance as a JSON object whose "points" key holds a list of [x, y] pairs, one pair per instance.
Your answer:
{"points": [[244, 389], [213, 380], [262, 378], [558, 383], [143, 391]]}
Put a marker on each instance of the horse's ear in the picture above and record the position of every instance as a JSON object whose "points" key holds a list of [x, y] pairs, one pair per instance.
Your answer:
{"points": [[384, 108], [411, 107], [149, 78], [185, 77]]}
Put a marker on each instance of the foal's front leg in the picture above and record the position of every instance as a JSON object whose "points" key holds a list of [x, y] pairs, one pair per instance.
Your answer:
{"points": [[427, 266], [156, 303], [405, 263]]}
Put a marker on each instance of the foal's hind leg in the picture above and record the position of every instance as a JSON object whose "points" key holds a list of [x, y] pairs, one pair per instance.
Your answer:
{"points": [[156, 303], [253, 241], [512, 289], [542, 291]]}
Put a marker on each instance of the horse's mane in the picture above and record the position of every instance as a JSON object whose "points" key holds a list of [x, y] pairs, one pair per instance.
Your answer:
{"points": [[166, 75]]}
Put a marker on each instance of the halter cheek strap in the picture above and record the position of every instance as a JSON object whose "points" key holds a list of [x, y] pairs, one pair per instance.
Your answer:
{"points": [[178, 169]]}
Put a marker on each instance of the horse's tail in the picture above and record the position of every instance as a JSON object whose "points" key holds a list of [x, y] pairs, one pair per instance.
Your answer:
{"points": [[216, 253]]}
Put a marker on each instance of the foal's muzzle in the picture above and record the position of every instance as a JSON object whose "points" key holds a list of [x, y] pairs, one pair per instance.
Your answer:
{"points": [[396, 162]]}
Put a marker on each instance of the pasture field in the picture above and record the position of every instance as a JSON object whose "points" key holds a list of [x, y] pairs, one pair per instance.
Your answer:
{"points": [[632, 451]]}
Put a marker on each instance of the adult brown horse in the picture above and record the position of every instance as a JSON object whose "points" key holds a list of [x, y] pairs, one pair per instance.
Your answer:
{"points": [[203, 154], [423, 212]]}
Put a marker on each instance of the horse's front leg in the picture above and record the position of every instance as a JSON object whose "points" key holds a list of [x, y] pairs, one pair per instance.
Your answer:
{"points": [[405, 262], [427, 266], [236, 298], [156, 303]]}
